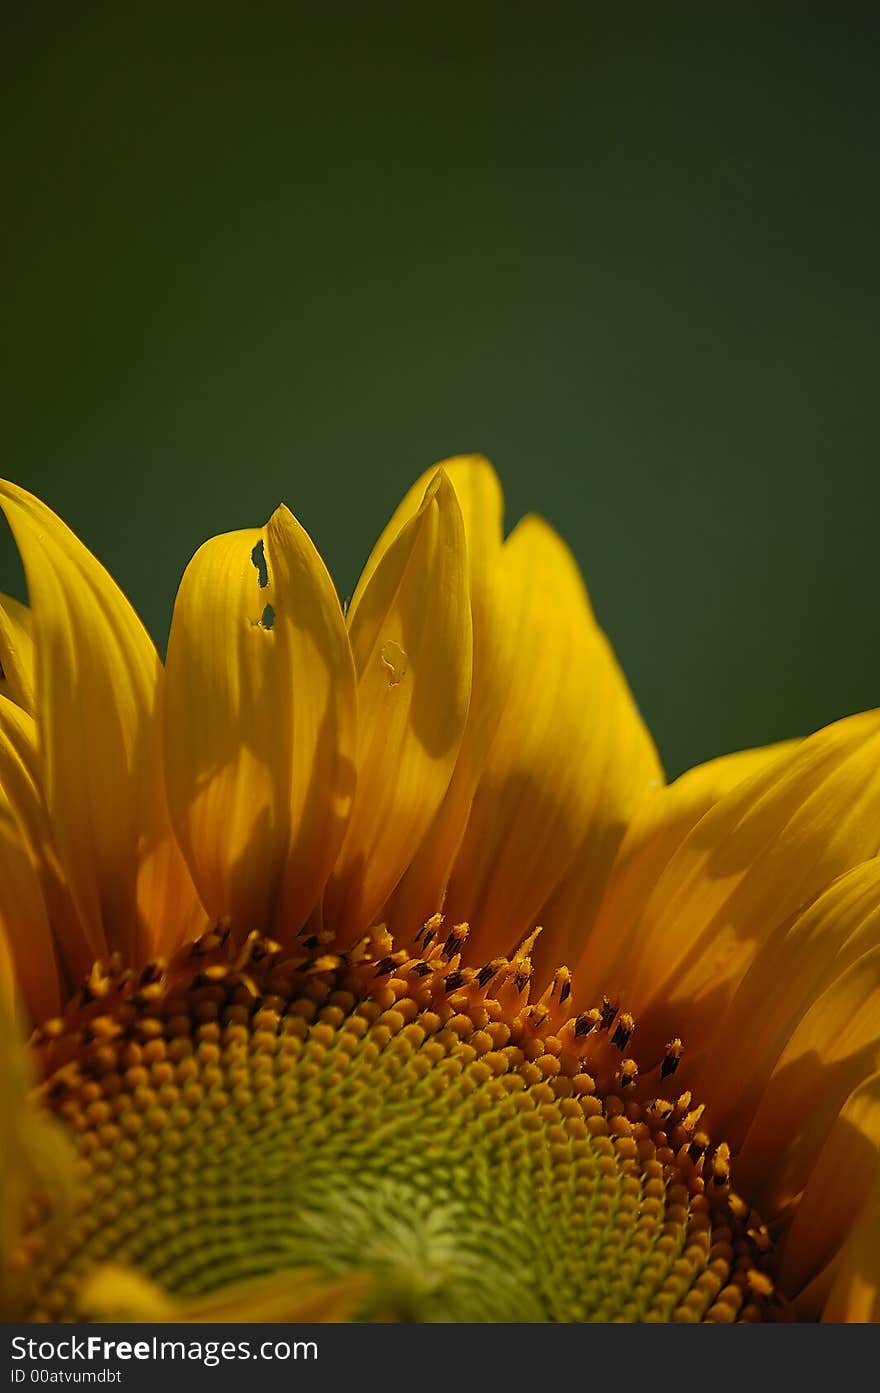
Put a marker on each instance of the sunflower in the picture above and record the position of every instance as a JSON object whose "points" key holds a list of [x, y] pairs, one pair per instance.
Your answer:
{"points": [[369, 970]]}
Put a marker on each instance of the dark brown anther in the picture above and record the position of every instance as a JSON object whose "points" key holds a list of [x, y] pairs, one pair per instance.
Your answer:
{"points": [[311, 942], [385, 966], [521, 980], [608, 1012], [453, 980], [428, 931], [623, 1032], [671, 1059], [565, 991], [584, 1023], [453, 944], [696, 1150], [485, 975], [660, 1108], [151, 973], [422, 969]]}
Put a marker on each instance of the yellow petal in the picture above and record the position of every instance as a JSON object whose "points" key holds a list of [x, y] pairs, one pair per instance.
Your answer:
{"points": [[301, 1297], [33, 900], [21, 774], [7, 971], [259, 723], [833, 1050], [24, 923], [839, 1186], [795, 961], [321, 714], [547, 770], [420, 893], [855, 1294], [662, 821], [760, 854], [225, 732], [114, 1293], [411, 636], [16, 652], [631, 775], [479, 497], [97, 677]]}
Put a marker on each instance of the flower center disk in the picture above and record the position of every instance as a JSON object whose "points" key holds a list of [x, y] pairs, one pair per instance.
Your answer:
{"points": [[246, 1110]]}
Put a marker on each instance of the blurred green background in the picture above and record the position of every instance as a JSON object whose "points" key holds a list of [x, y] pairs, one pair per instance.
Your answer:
{"points": [[627, 251]]}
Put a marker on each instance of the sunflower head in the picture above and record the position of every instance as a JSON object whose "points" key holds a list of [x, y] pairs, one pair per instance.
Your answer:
{"points": [[370, 971]]}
